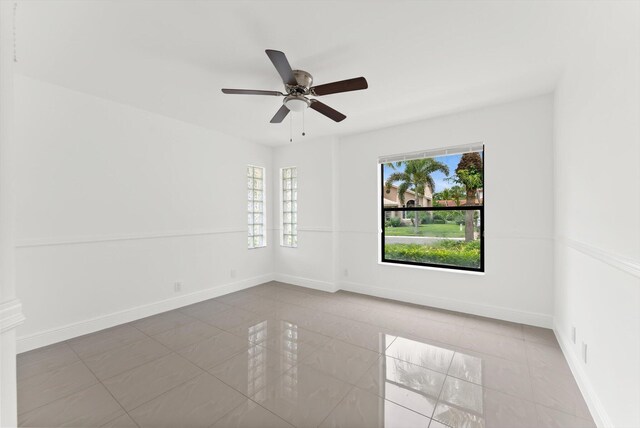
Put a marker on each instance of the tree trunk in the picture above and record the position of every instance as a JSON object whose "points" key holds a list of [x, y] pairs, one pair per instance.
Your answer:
{"points": [[416, 216], [468, 215]]}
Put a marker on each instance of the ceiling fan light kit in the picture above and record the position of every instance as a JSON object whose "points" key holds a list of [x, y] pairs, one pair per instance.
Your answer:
{"points": [[298, 87], [296, 102]]}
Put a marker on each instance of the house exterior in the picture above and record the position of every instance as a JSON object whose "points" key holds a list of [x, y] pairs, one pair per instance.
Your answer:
{"points": [[392, 200]]}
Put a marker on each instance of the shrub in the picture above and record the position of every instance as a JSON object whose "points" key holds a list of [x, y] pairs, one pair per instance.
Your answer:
{"points": [[394, 222], [445, 252], [425, 218]]}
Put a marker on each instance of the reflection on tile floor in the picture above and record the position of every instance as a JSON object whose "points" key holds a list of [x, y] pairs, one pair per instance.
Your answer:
{"points": [[278, 355]]}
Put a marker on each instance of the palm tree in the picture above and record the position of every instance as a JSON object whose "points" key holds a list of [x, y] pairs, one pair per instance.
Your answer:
{"points": [[453, 193], [456, 193], [469, 175], [416, 176]]}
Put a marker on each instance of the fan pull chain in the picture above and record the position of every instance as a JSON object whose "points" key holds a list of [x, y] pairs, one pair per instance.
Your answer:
{"points": [[15, 42], [290, 128], [303, 134]]}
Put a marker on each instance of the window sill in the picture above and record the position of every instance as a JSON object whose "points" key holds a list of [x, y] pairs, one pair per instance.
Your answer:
{"points": [[432, 268]]}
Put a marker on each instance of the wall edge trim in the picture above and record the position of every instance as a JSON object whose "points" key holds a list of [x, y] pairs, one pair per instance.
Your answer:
{"points": [[497, 312], [27, 243], [624, 264], [315, 284], [598, 412], [79, 328], [11, 315]]}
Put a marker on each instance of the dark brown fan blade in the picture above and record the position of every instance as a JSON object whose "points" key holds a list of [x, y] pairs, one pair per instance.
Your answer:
{"points": [[280, 114], [251, 92], [341, 86], [281, 64], [327, 111]]}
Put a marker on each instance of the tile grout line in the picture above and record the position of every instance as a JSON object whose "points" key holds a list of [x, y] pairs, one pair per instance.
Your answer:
{"points": [[447, 374], [169, 390], [205, 371], [132, 368], [249, 397], [377, 326], [53, 368], [426, 318], [81, 360], [351, 388], [442, 388], [340, 317], [107, 389], [354, 385], [536, 403], [523, 339], [241, 404], [533, 395], [65, 396], [193, 319], [165, 392], [115, 347], [139, 365]]}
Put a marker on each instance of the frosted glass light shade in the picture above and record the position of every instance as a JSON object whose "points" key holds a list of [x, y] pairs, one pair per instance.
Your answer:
{"points": [[296, 104]]}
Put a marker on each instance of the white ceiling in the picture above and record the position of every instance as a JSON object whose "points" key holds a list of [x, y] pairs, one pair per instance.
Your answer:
{"points": [[421, 59]]}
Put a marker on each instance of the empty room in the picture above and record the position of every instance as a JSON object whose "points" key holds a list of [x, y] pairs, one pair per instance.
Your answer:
{"points": [[355, 214]]}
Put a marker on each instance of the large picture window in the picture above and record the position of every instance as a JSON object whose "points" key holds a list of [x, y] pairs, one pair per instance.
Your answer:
{"points": [[255, 207], [432, 208]]}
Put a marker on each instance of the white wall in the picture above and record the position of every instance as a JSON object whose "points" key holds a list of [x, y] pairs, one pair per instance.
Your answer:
{"points": [[517, 284], [312, 262], [115, 204], [597, 218], [10, 307]]}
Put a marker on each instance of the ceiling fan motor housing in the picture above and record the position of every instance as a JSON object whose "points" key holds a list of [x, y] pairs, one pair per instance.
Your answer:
{"points": [[304, 79], [296, 100]]}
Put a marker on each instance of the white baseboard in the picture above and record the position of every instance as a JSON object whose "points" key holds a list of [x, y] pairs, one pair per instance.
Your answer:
{"points": [[69, 331], [306, 282], [598, 412], [497, 312]]}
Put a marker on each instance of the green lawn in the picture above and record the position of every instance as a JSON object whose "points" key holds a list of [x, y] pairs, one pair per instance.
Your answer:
{"points": [[439, 230]]}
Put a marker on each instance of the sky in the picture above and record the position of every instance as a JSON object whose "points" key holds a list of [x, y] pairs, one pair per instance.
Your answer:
{"points": [[439, 178]]}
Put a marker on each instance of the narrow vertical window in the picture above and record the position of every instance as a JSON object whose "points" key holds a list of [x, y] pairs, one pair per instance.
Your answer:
{"points": [[255, 207], [289, 237]]}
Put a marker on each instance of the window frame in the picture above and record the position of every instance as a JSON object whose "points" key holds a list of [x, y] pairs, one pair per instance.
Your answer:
{"points": [[382, 217], [282, 201], [264, 206]]}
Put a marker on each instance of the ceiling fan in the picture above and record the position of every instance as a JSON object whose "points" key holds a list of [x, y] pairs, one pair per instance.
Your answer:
{"points": [[297, 84]]}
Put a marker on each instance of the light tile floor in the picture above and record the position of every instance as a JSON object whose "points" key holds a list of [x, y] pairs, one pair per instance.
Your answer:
{"points": [[278, 355]]}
